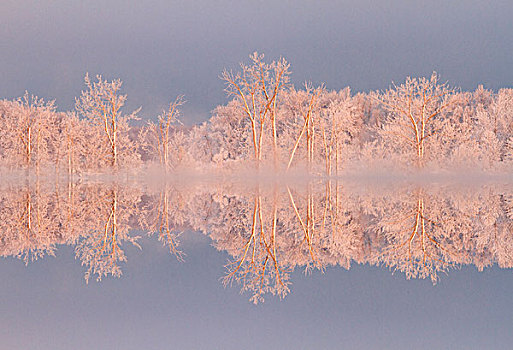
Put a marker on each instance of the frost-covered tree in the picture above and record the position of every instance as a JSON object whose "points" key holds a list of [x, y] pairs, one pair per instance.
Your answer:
{"points": [[304, 108], [501, 110], [468, 132], [101, 103], [75, 143], [161, 135], [28, 125], [411, 111], [257, 87]]}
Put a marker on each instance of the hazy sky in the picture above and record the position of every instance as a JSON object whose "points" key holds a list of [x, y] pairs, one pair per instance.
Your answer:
{"points": [[164, 48]]}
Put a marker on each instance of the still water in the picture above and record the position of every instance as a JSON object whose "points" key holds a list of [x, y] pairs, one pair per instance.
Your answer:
{"points": [[317, 264]]}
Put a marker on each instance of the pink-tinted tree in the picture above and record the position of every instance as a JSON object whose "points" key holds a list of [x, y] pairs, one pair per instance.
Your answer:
{"points": [[101, 103], [257, 87], [412, 109]]}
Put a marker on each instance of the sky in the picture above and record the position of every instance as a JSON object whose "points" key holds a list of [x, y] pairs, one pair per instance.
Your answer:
{"points": [[161, 49]]}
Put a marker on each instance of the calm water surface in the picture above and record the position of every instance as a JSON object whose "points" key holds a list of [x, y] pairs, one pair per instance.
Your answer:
{"points": [[330, 265]]}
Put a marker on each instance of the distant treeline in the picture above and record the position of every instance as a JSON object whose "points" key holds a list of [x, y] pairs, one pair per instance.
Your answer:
{"points": [[266, 123]]}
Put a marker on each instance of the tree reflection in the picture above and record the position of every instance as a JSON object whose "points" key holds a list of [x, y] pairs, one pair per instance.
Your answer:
{"points": [[164, 213], [100, 249], [28, 229], [416, 238], [267, 229], [256, 265]]}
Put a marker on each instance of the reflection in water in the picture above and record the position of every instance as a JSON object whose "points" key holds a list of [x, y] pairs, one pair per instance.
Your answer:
{"points": [[268, 229], [100, 248]]}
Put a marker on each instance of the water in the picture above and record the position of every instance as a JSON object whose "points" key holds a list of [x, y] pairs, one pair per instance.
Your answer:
{"points": [[330, 263]]}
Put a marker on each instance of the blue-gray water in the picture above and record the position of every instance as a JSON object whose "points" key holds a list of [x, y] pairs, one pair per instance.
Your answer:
{"points": [[160, 303]]}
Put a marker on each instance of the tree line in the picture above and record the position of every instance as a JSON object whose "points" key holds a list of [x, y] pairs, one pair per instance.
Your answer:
{"points": [[267, 123]]}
